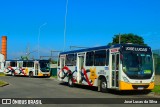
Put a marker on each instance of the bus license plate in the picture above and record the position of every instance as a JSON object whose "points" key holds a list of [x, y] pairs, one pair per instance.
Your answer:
{"points": [[140, 88], [45, 75]]}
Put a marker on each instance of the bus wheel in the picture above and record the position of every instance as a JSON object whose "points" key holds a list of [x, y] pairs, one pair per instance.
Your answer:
{"points": [[13, 73], [146, 91], [103, 85], [70, 82], [30, 74]]}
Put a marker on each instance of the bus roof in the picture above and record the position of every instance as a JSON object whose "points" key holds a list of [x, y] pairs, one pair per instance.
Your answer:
{"points": [[25, 60], [102, 47]]}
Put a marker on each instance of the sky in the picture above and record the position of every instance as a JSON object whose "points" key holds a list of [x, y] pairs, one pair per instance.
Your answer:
{"points": [[89, 23]]}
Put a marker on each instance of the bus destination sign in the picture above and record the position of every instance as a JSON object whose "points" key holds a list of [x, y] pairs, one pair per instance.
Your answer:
{"points": [[137, 49]]}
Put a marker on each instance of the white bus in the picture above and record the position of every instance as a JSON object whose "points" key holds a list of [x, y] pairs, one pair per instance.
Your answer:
{"points": [[27, 68], [119, 67]]}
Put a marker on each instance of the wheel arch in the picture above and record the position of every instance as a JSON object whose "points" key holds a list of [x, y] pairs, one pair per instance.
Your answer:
{"points": [[69, 73], [30, 73], [99, 80]]}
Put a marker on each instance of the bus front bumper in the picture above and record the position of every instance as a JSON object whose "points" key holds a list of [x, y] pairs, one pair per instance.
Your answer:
{"points": [[130, 86], [43, 75]]}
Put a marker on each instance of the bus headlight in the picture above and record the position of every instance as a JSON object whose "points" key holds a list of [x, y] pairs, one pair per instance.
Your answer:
{"points": [[153, 79], [125, 79]]}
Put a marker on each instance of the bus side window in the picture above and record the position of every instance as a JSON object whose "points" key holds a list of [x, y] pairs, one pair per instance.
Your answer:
{"points": [[89, 58], [75, 59], [70, 60], [107, 58], [62, 60], [117, 61], [13, 64], [30, 64], [59, 60], [100, 58], [113, 62], [7, 64], [20, 64], [4, 64], [24, 64], [36, 66]]}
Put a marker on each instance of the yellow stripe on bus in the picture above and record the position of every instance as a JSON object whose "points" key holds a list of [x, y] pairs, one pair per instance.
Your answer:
{"points": [[128, 86]]}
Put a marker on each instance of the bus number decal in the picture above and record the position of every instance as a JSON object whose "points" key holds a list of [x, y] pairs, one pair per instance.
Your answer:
{"points": [[102, 72], [114, 50], [93, 74]]}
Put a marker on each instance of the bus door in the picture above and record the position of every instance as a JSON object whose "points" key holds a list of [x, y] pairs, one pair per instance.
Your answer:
{"points": [[36, 67], [115, 70], [62, 62], [19, 66], [80, 65]]}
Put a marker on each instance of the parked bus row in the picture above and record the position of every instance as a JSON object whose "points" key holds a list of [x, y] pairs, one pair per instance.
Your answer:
{"points": [[116, 67]]}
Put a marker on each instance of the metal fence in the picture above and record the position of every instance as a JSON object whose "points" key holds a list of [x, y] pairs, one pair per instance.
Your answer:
{"points": [[157, 61]]}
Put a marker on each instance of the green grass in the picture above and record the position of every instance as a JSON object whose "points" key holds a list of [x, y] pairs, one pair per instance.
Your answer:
{"points": [[2, 83], [2, 74], [156, 89], [54, 76]]}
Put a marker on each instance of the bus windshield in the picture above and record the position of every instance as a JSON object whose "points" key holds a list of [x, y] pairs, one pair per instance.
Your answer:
{"points": [[138, 65], [44, 65]]}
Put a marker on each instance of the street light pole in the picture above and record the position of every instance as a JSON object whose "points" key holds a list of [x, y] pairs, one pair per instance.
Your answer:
{"points": [[65, 22], [54, 51], [119, 38], [39, 36]]}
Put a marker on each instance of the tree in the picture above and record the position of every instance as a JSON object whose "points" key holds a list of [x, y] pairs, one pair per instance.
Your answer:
{"points": [[156, 63], [52, 61], [128, 38], [24, 58]]}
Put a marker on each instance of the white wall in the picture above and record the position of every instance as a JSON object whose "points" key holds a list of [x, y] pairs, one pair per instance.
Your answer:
{"points": [[1, 62]]}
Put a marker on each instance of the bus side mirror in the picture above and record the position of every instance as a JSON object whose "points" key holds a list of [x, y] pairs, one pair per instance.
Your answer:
{"points": [[121, 57]]}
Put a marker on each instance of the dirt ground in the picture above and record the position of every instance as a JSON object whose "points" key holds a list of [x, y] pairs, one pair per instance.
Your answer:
{"points": [[157, 80]]}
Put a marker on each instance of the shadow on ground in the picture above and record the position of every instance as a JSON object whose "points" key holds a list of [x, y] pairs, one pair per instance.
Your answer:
{"points": [[116, 92], [27, 76]]}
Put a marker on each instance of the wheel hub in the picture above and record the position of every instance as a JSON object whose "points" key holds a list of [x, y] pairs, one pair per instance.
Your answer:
{"points": [[104, 85], [70, 81]]}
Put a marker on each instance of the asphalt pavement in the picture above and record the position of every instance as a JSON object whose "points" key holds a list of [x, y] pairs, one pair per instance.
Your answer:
{"points": [[25, 87]]}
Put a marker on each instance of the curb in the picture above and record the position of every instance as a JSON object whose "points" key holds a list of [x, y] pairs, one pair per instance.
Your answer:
{"points": [[153, 94], [53, 78], [4, 85], [156, 94]]}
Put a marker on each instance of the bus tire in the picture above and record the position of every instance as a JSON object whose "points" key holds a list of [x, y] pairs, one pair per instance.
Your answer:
{"points": [[30, 74], [103, 85], [146, 91], [70, 82], [12, 73]]}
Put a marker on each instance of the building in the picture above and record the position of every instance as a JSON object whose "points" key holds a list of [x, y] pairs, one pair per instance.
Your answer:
{"points": [[2, 62], [3, 53]]}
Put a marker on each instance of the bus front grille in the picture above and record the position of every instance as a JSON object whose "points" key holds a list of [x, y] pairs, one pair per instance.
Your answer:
{"points": [[140, 86]]}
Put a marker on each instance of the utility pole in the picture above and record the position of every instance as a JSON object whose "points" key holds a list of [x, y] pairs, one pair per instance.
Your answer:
{"points": [[65, 25], [119, 38], [39, 31]]}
